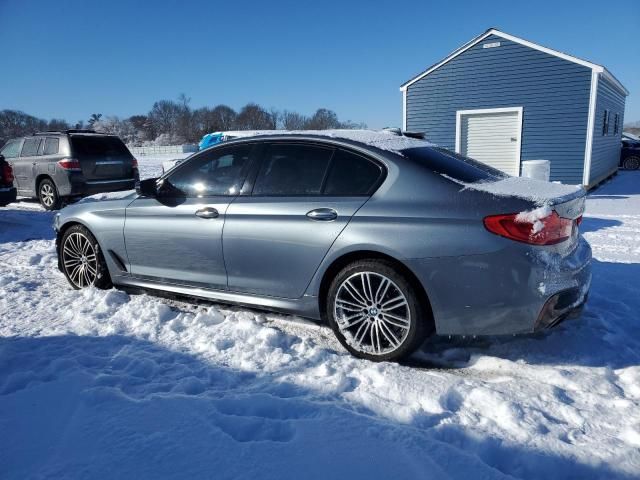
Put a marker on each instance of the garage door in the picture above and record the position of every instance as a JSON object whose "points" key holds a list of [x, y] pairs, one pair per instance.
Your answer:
{"points": [[491, 137]]}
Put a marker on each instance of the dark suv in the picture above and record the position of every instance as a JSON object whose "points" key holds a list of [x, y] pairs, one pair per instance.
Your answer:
{"points": [[630, 154], [53, 166], [7, 190]]}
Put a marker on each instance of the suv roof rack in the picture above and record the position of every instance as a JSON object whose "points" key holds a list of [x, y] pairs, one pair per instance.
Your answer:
{"points": [[61, 132]]}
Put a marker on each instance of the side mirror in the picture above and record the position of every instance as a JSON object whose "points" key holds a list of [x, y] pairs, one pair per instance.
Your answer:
{"points": [[147, 188]]}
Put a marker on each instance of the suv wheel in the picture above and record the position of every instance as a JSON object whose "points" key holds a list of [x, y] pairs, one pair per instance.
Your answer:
{"points": [[375, 312], [48, 195], [81, 259], [631, 163]]}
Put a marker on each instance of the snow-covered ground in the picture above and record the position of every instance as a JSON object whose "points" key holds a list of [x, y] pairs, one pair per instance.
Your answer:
{"points": [[103, 384]]}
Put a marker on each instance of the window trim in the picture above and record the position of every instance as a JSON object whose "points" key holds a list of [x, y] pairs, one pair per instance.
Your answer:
{"points": [[616, 124]]}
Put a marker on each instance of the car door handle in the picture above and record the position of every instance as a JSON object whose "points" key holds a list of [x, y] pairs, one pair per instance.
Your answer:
{"points": [[208, 212], [322, 214]]}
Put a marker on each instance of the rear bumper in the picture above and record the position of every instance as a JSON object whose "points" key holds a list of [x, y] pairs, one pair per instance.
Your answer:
{"points": [[511, 291], [84, 188], [7, 195]]}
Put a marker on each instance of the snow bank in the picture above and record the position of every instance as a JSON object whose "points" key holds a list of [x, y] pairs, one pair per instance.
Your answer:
{"points": [[97, 384]]}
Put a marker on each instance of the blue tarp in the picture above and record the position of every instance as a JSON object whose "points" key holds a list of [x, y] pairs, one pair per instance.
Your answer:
{"points": [[209, 140]]}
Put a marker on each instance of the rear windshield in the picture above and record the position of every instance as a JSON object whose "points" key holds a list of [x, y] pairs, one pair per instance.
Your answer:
{"points": [[453, 165], [92, 148]]}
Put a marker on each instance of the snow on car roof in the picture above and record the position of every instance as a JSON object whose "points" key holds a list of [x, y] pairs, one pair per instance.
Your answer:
{"points": [[382, 139]]}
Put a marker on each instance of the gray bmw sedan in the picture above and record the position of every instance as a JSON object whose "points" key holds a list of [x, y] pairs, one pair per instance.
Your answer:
{"points": [[389, 239]]}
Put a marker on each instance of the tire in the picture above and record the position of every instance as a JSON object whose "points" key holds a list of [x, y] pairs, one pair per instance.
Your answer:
{"points": [[48, 194], [631, 163], [82, 261], [360, 324]]}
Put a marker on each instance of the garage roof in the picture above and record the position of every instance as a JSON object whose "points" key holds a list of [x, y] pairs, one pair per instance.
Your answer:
{"points": [[492, 31]]}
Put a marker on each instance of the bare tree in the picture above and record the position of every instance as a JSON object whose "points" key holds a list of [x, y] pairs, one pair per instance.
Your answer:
{"points": [[293, 120], [254, 117], [323, 119]]}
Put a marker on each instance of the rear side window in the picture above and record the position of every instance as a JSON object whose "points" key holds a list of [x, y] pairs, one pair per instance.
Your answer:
{"points": [[87, 147], [351, 174], [30, 147], [51, 146], [453, 165], [11, 149], [292, 170]]}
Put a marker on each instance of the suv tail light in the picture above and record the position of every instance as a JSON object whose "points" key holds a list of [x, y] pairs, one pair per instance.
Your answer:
{"points": [[7, 174], [134, 163], [70, 164], [549, 230]]}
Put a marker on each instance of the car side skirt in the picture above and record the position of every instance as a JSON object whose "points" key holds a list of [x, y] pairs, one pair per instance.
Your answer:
{"points": [[306, 306]]}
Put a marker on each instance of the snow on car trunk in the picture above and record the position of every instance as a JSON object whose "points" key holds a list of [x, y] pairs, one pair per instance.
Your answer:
{"points": [[104, 383]]}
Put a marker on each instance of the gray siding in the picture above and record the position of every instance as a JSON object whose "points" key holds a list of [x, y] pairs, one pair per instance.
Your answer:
{"points": [[553, 92], [605, 152]]}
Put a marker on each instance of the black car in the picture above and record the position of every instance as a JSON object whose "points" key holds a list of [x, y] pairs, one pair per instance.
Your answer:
{"points": [[630, 154], [7, 190], [54, 166]]}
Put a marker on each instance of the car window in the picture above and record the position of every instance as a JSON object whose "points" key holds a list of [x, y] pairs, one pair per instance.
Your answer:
{"points": [[11, 149], [30, 147], [453, 165], [289, 169], [51, 146], [220, 171], [351, 174], [93, 147]]}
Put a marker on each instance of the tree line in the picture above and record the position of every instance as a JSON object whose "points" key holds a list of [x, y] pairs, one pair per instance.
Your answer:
{"points": [[175, 122]]}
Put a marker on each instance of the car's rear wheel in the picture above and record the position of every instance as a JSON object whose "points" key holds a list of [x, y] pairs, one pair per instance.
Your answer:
{"points": [[48, 195], [631, 163], [82, 260], [375, 312]]}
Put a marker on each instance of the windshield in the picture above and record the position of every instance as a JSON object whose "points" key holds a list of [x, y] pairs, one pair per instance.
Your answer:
{"points": [[453, 165]]}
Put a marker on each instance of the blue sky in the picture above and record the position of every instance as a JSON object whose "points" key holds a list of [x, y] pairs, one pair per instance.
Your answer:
{"points": [[68, 59]]}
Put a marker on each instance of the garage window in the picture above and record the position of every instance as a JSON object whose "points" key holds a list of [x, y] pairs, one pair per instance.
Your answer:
{"points": [[616, 124], [605, 123]]}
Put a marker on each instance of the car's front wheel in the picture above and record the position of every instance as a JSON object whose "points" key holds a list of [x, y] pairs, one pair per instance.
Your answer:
{"points": [[631, 163], [375, 312], [48, 195], [81, 259]]}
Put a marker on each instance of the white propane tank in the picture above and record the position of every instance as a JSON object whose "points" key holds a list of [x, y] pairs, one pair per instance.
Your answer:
{"points": [[538, 169]]}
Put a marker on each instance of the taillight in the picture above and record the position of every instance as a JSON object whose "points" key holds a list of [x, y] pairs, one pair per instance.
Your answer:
{"points": [[548, 230], [134, 163], [7, 173], [70, 164]]}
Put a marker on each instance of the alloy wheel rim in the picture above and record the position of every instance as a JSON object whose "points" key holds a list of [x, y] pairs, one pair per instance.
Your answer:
{"points": [[80, 260], [46, 192], [632, 163], [372, 313]]}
